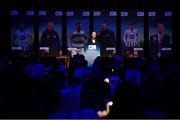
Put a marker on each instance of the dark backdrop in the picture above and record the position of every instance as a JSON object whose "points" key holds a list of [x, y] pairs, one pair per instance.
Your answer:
{"points": [[146, 5]]}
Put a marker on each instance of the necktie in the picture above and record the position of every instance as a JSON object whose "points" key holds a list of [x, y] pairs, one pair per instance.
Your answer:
{"points": [[159, 45]]}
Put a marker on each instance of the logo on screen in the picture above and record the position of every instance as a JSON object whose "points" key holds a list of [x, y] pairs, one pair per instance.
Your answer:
{"points": [[112, 13], [152, 14], [70, 13], [124, 13], [140, 13], [97, 13], [14, 12], [92, 47], [58, 13], [86, 13], [168, 13], [42, 13], [30, 13], [132, 36]]}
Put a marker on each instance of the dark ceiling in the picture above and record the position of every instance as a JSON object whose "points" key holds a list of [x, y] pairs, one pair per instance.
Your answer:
{"points": [[89, 3]]}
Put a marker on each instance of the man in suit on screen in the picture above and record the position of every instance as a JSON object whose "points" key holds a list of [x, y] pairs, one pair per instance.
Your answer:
{"points": [[158, 41], [106, 39]]}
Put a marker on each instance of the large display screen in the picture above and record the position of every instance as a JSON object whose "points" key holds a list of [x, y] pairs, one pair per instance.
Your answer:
{"points": [[50, 32], [77, 30], [160, 33], [105, 27], [132, 33], [22, 32]]}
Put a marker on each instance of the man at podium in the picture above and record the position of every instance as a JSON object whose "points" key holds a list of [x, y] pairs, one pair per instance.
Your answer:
{"points": [[93, 39], [92, 48]]}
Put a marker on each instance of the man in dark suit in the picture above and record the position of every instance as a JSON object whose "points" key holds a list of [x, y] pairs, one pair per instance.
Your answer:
{"points": [[158, 41], [106, 39]]}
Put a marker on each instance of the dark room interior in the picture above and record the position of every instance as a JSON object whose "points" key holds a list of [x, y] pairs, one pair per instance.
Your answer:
{"points": [[89, 59]]}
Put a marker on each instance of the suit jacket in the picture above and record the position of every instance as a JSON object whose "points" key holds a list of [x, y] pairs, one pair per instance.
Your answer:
{"points": [[154, 46], [90, 41], [106, 39]]}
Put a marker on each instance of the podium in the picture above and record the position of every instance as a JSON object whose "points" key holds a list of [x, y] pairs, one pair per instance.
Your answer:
{"points": [[91, 52]]}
